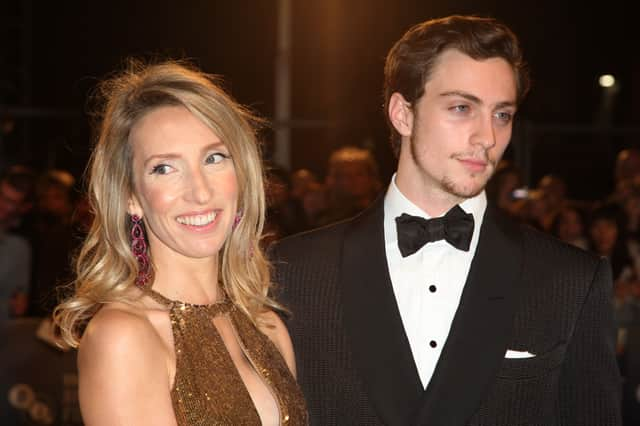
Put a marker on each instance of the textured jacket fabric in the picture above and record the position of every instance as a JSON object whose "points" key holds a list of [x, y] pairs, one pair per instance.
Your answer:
{"points": [[525, 291]]}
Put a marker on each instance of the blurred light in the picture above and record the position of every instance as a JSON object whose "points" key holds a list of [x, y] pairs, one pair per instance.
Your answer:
{"points": [[607, 80]]}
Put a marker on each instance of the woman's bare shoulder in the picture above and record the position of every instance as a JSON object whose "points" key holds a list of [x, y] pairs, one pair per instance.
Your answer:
{"points": [[120, 357], [117, 332], [116, 324]]}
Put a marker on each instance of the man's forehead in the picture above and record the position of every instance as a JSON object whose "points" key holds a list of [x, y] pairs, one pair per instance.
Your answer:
{"points": [[490, 80]]}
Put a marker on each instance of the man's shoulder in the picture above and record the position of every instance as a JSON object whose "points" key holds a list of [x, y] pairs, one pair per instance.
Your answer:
{"points": [[315, 239], [302, 261], [546, 246], [326, 237], [536, 241]]}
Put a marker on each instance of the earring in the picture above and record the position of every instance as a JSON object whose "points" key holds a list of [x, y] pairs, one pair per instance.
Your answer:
{"points": [[139, 249], [237, 219]]}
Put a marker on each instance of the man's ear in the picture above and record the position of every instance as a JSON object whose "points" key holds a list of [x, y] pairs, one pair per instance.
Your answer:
{"points": [[400, 114]]}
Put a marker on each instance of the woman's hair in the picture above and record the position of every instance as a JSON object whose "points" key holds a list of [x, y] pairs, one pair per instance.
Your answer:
{"points": [[105, 267]]}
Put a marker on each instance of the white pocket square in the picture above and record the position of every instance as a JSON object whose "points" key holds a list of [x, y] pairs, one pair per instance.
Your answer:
{"points": [[518, 354]]}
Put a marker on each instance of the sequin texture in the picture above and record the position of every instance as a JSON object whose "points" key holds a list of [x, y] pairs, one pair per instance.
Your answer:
{"points": [[208, 389]]}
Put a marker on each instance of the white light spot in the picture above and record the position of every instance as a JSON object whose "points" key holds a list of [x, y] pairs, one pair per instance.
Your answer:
{"points": [[607, 80]]}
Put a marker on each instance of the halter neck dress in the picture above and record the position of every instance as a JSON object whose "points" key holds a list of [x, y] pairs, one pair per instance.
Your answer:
{"points": [[208, 389]]}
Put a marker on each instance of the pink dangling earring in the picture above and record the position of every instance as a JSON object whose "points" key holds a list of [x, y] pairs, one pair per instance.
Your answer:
{"points": [[237, 219], [139, 249]]}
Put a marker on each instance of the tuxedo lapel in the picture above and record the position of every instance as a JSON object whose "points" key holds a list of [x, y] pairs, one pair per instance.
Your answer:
{"points": [[381, 349], [481, 327]]}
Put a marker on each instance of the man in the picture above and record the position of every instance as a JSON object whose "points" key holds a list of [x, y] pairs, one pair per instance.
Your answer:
{"points": [[16, 192], [352, 183], [54, 238], [627, 165], [496, 324]]}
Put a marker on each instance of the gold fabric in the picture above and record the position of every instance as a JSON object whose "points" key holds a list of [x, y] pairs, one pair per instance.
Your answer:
{"points": [[208, 389]]}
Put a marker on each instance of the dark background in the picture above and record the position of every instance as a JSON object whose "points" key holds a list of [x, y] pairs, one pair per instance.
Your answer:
{"points": [[53, 53]]}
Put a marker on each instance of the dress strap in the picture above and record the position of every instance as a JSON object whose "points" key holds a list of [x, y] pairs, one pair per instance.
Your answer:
{"points": [[222, 306], [158, 297]]}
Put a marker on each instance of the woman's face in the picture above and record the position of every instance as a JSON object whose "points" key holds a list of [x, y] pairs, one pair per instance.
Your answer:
{"points": [[185, 185]]}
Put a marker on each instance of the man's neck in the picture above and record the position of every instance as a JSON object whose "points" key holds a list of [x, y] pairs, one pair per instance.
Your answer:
{"points": [[433, 202], [423, 190]]}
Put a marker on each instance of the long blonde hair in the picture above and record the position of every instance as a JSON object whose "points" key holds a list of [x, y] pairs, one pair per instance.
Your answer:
{"points": [[105, 266]]}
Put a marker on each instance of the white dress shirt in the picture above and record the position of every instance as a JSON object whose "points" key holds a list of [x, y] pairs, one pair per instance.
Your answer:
{"points": [[427, 284]]}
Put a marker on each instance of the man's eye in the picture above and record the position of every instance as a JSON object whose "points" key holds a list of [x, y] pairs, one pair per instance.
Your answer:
{"points": [[161, 169], [460, 108], [504, 116], [216, 158]]}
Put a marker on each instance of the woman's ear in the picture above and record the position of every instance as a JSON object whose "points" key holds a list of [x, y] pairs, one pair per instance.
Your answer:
{"points": [[400, 114], [133, 206]]}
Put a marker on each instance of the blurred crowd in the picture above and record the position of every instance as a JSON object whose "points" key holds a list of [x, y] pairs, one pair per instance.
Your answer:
{"points": [[42, 221], [43, 218], [609, 227]]}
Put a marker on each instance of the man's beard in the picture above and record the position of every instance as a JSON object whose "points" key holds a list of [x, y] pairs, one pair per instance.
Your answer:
{"points": [[449, 185], [453, 188]]}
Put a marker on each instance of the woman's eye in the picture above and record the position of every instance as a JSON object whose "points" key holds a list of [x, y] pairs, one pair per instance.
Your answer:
{"points": [[161, 169], [216, 158]]}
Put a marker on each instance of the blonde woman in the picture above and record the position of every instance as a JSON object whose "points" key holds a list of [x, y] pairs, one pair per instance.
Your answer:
{"points": [[171, 313]]}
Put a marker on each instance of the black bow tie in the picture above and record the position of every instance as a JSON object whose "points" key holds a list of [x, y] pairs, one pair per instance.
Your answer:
{"points": [[456, 227]]}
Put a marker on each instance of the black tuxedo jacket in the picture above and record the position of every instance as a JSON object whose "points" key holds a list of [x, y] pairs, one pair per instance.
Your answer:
{"points": [[525, 291]]}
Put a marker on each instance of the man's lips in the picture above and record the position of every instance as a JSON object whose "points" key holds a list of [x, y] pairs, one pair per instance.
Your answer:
{"points": [[474, 164]]}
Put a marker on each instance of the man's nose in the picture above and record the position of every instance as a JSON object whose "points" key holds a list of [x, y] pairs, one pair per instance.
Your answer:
{"points": [[485, 132]]}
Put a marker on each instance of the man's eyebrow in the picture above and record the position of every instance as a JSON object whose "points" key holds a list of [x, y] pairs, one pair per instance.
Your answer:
{"points": [[477, 100], [465, 95], [506, 104]]}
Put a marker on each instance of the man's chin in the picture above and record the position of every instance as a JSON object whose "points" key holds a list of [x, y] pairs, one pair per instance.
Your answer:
{"points": [[466, 191], [469, 194]]}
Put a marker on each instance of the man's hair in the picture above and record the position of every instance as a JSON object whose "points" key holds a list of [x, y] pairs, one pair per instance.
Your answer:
{"points": [[412, 59]]}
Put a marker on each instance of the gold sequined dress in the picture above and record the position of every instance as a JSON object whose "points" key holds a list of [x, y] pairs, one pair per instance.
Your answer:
{"points": [[208, 389]]}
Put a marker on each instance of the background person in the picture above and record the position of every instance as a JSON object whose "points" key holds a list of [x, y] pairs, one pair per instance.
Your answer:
{"points": [[16, 199]]}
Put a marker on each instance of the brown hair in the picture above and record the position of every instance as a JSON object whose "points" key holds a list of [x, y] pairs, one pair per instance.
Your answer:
{"points": [[411, 60]]}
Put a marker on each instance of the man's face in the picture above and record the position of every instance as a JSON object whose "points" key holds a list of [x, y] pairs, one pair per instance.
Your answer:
{"points": [[604, 233], [351, 179], [11, 203], [457, 131]]}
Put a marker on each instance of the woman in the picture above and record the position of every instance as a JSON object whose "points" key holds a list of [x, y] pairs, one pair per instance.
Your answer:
{"points": [[171, 278]]}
